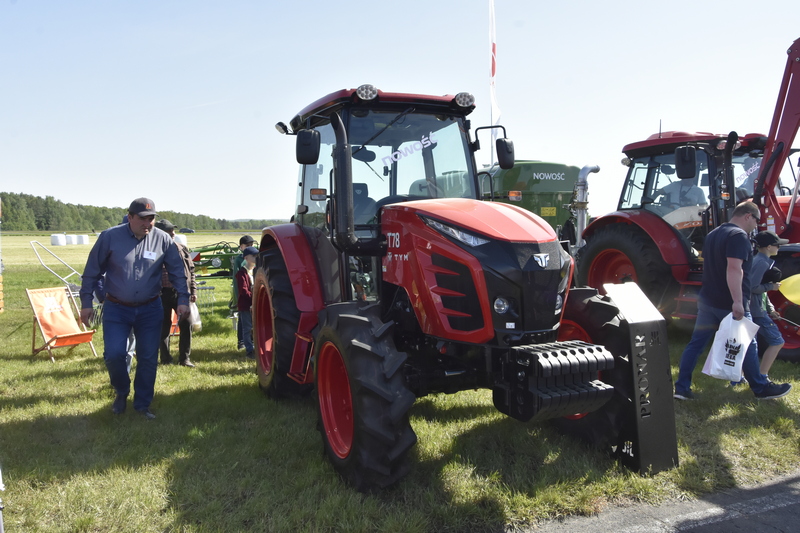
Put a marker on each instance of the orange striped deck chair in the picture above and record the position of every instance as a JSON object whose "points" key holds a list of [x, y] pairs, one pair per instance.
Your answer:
{"points": [[56, 313]]}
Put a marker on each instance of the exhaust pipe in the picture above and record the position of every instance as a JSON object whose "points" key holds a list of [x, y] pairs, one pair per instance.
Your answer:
{"points": [[580, 207]]}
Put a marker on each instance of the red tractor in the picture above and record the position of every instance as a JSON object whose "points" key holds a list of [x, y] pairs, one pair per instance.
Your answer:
{"points": [[679, 187], [395, 280]]}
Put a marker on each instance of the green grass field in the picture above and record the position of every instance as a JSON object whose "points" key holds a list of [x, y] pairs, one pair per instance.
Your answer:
{"points": [[223, 457]]}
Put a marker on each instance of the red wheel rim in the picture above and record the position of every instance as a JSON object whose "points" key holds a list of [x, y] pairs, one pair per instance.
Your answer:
{"points": [[335, 401], [611, 266], [572, 331], [264, 333]]}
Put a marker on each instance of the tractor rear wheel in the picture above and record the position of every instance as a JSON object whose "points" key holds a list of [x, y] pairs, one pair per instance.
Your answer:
{"points": [[363, 398], [592, 318], [275, 320], [620, 252]]}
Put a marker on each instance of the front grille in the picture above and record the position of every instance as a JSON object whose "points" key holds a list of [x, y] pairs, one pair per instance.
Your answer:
{"points": [[454, 285]]}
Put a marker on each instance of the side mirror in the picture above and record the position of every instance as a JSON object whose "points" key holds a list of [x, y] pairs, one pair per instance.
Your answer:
{"points": [[307, 151], [505, 153], [686, 162]]}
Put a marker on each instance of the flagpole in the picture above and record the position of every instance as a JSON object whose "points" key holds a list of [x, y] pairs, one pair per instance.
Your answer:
{"points": [[495, 109]]}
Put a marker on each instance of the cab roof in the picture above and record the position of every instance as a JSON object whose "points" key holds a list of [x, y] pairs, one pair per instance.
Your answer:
{"points": [[336, 100], [667, 141]]}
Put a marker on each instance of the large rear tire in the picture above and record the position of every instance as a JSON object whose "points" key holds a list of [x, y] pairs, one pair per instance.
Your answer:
{"points": [[789, 265], [363, 398], [592, 318], [620, 252], [275, 320]]}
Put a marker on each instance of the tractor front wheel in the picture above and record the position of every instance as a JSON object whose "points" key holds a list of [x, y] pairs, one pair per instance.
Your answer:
{"points": [[595, 319], [363, 398]]}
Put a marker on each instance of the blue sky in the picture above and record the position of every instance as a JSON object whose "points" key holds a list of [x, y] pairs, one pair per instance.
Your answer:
{"points": [[104, 101]]}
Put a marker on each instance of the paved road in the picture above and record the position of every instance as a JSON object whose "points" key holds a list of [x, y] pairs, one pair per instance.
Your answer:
{"points": [[769, 508]]}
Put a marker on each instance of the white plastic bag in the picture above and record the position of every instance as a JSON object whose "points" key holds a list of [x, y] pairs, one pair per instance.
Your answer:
{"points": [[194, 317], [726, 356]]}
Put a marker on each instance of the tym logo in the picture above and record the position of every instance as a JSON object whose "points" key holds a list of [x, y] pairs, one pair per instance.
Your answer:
{"points": [[409, 150], [542, 259], [548, 176]]}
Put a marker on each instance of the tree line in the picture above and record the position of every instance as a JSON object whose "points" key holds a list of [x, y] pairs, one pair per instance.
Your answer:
{"points": [[25, 212]]}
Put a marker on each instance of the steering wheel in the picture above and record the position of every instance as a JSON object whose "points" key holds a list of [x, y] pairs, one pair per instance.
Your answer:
{"points": [[394, 199]]}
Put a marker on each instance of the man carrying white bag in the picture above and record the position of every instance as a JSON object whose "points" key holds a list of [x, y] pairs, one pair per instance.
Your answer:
{"points": [[727, 257], [727, 353]]}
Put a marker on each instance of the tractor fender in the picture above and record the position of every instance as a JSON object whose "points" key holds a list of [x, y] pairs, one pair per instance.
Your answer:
{"points": [[671, 245], [300, 263]]}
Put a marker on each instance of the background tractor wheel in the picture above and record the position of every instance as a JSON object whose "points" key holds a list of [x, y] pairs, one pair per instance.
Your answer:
{"points": [[363, 399], [275, 319], [595, 319], [620, 252], [789, 265]]}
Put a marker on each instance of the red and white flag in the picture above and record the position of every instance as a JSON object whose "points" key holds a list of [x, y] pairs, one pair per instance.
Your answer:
{"points": [[495, 112]]}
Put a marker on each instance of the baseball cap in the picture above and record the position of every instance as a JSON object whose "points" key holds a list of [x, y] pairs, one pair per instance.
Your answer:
{"points": [[165, 225], [247, 239], [250, 250], [143, 207], [767, 238]]}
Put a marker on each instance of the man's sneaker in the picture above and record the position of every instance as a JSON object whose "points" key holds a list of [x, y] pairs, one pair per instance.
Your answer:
{"points": [[773, 391], [119, 405], [742, 381], [687, 395], [146, 413]]}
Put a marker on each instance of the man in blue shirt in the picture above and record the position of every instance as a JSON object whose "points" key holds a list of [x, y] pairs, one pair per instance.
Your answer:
{"points": [[131, 257], [727, 257]]}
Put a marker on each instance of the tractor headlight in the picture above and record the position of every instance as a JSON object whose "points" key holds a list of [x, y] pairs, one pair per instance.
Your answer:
{"points": [[501, 305], [566, 264], [467, 238]]}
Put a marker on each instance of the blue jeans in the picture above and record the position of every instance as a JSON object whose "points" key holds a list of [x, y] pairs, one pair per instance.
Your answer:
{"points": [[708, 319], [145, 322], [246, 320]]}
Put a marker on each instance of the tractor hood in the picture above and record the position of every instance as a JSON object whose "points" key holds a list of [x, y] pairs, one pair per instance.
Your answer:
{"points": [[493, 220]]}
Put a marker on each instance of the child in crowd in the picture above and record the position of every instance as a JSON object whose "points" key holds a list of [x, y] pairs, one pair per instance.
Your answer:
{"points": [[760, 307], [236, 264], [244, 285]]}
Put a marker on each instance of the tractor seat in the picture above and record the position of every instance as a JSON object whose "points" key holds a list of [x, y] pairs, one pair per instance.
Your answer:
{"points": [[363, 206]]}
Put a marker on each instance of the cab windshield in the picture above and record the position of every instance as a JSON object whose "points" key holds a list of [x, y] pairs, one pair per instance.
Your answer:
{"points": [[653, 184], [400, 156], [747, 168]]}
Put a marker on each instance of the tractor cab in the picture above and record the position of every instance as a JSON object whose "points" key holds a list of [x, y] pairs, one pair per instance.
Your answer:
{"points": [[683, 179], [387, 148]]}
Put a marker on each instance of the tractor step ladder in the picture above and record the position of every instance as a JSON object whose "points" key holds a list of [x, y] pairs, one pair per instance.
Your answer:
{"points": [[687, 300]]}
